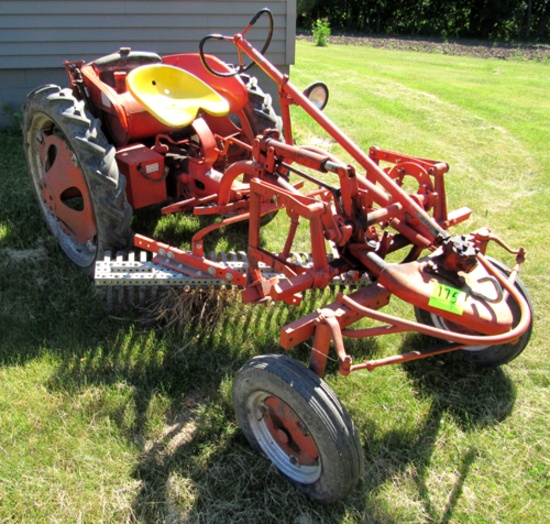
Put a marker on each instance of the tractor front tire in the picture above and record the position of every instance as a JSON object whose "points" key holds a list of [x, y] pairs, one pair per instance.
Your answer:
{"points": [[291, 415], [75, 176]]}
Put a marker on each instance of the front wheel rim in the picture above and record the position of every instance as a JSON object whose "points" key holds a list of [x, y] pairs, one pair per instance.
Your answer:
{"points": [[284, 438], [440, 323]]}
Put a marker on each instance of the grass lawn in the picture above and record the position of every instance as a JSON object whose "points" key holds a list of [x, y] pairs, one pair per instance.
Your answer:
{"points": [[105, 418]]}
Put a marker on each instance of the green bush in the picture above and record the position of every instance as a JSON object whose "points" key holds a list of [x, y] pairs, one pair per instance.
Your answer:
{"points": [[321, 31]]}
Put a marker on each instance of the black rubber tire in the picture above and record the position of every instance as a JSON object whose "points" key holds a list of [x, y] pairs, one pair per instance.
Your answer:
{"points": [[54, 116], [489, 356], [259, 109], [322, 418], [260, 115]]}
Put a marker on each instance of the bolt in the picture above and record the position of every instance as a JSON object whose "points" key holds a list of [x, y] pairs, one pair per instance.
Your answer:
{"points": [[303, 428], [212, 271], [228, 276], [162, 252]]}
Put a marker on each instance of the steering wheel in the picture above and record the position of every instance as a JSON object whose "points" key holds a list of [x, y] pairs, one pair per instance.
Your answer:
{"points": [[241, 68]]}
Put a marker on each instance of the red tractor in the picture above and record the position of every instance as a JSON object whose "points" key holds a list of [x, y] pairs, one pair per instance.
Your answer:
{"points": [[191, 133]]}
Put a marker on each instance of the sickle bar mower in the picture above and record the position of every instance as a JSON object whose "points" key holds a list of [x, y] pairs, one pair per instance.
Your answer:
{"points": [[195, 134]]}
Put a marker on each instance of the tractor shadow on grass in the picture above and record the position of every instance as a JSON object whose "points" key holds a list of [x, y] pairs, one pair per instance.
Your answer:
{"points": [[459, 396], [474, 396], [198, 466], [168, 393]]}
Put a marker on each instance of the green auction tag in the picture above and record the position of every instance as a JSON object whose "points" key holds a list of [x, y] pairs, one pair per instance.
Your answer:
{"points": [[447, 298]]}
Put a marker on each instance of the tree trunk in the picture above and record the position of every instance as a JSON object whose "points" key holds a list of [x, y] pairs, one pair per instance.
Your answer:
{"points": [[528, 27]]}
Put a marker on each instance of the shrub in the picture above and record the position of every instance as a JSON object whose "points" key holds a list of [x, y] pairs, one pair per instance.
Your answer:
{"points": [[321, 31]]}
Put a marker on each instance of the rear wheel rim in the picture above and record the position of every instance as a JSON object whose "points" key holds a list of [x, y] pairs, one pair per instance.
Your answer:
{"points": [[62, 191], [284, 437]]}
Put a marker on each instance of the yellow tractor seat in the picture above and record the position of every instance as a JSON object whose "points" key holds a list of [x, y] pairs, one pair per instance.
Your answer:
{"points": [[173, 95]]}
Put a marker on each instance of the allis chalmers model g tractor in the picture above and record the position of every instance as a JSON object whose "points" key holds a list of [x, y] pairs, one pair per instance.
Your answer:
{"points": [[194, 134]]}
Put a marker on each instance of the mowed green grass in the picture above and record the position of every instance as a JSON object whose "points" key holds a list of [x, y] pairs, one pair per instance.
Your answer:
{"points": [[105, 418]]}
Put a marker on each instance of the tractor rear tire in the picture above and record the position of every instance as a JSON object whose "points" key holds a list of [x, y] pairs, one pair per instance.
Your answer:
{"points": [[259, 109], [75, 176], [259, 115], [292, 416]]}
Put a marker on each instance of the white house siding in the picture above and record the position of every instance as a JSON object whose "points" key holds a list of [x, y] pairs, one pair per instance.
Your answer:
{"points": [[37, 36]]}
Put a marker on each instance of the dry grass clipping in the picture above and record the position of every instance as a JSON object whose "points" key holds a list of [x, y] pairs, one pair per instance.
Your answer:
{"points": [[180, 309]]}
